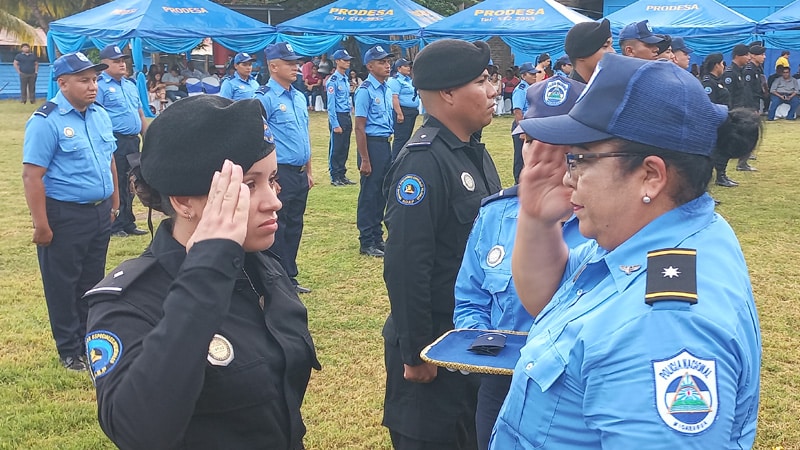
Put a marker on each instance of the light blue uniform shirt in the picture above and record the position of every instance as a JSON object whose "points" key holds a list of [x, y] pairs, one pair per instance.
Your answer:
{"points": [[236, 88], [402, 87], [121, 101], [519, 98], [602, 369], [338, 88], [373, 100], [485, 295], [287, 117], [75, 150]]}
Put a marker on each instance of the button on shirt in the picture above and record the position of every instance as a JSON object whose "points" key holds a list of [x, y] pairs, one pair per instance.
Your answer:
{"points": [[121, 101], [588, 376], [75, 150], [237, 88], [287, 117], [519, 98], [338, 88], [373, 100], [402, 86]]}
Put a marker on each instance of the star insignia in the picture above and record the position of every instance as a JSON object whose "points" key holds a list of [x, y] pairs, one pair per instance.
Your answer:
{"points": [[671, 272]]}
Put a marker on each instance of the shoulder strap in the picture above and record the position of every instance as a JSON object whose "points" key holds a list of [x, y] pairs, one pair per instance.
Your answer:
{"points": [[115, 283], [46, 109], [671, 275], [422, 139]]}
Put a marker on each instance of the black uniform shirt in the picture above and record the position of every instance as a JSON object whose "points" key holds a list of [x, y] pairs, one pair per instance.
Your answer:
{"points": [[184, 356], [752, 76], [716, 91], [433, 193], [734, 81]]}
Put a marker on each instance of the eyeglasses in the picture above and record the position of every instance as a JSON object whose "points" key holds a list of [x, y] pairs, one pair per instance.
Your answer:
{"points": [[574, 158]]}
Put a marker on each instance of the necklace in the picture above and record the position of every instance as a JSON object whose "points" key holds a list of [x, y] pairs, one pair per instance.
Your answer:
{"points": [[252, 286]]}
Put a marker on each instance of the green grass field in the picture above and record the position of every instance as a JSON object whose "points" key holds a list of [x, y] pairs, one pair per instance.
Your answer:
{"points": [[43, 406]]}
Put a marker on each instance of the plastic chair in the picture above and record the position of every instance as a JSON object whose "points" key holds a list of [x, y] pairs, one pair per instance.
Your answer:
{"points": [[194, 86], [210, 85]]}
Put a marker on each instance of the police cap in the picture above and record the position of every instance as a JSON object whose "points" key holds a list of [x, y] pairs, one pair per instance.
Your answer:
{"points": [[464, 62], [740, 50]]}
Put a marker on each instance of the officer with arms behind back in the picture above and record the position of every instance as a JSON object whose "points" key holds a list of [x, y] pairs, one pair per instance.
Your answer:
{"points": [[70, 180], [405, 102], [434, 190], [340, 120]]}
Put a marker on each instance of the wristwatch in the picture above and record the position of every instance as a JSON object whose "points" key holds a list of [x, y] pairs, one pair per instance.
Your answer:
{"points": [[115, 212]]}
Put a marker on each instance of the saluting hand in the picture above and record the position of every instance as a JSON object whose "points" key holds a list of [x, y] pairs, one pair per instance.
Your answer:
{"points": [[227, 207], [542, 193]]}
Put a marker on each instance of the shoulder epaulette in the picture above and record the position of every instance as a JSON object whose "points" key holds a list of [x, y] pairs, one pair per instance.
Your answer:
{"points": [[115, 283], [504, 193], [365, 84], [706, 77], [671, 275], [422, 139], [263, 89], [46, 109]]}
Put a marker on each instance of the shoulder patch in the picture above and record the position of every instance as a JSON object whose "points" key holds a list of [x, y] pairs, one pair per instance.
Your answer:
{"points": [[365, 84], [504, 193], [422, 139], [46, 109], [410, 190], [263, 90], [728, 80], [120, 278], [748, 77], [707, 89], [103, 350], [686, 392], [671, 275]]}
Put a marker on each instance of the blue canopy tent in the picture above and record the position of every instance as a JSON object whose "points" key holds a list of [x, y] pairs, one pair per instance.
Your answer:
{"points": [[172, 26], [707, 26], [527, 26], [782, 28], [370, 24]]}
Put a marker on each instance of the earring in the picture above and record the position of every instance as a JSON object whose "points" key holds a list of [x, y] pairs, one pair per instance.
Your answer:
{"points": [[645, 199], [188, 214]]}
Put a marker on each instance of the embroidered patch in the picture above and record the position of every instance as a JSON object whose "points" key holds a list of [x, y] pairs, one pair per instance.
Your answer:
{"points": [[289, 47], [117, 50], [282, 107], [103, 348], [268, 136], [747, 78], [410, 190], [649, 28], [555, 93], [707, 89], [330, 89], [495, 255], [379, 48], [686, 392], [728, 80], [468, 181], [81, 56], [220, 351], [69, 132]]}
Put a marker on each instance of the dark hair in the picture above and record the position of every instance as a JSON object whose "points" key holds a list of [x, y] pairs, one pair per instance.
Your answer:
{"points": [[148, 195], [24, 44], [785, 52], [711, 60], [736, 137]]}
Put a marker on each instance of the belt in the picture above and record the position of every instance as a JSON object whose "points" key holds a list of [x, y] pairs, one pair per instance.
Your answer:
{"points": [[409, 107], [379, 138], [291, 167], [343, 112], [87, 204], [126, 136]]}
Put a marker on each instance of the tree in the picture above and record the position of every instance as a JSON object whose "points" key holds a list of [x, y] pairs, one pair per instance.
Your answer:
{"points": [[16, 27], [42, 12]]}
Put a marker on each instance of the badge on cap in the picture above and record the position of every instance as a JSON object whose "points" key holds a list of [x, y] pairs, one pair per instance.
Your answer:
{"points": [[468, 181], [686, 392], [282, 107], [81, 56], [649, 28], [495, 255], [220, 351], [555, 93], [379, 48], [69, 132], [289, 47], [103, 349], [410, 190], [117, 50]]}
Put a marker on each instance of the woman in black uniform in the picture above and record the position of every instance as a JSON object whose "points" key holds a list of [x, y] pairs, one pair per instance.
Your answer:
{"points": [[713, 67], [202, 342]]}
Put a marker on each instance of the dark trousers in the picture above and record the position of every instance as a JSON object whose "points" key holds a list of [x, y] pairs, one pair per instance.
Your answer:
{"points": [[72, 264], [720, 163], [126, 144], [176, 95], [403, 131], [340, 146], [294, 196], [491, 396], [27, 87], [518, 163], [371, 203]]}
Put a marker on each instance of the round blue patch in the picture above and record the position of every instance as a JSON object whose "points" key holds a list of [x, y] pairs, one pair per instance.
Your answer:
{"points": [[708, 89], [728, 80], [103, 349], [410, 190]]}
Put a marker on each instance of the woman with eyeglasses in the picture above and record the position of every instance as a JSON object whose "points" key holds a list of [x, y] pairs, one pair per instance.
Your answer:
{"points": [[646, 336]]}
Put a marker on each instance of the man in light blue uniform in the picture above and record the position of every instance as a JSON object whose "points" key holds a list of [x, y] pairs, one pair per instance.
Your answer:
{"points": [[69, 177], [651, 341], [484, 292], [405, 103], [287, 117], [242, 84], [340, 120], [374, 126], [120, 98], [519, 106]]}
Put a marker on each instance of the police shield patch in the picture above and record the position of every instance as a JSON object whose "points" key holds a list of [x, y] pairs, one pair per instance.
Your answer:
{"points": [[410, 190], [686, 392]]}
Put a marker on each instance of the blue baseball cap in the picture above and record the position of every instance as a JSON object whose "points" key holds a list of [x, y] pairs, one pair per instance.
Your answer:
{"points": [[561, 62], [281, 50], [679, 44], [640, 31], [376, 53], [341, 54], [401, 62], [74, 63], [243, 57], [112, 52], [552, 97], [528, 68], [650, 102]]}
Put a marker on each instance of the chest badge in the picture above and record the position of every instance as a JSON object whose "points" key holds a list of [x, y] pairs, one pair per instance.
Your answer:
{"points": [[410, 190], [468, 181], [220, 351], [686, 392], [495, 255], [69, 132], [377, 101], [282, 107], [112, 89], [630, 269]]}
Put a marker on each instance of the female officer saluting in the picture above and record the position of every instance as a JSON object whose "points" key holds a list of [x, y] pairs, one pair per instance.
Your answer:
{"points": [[202, 342]]}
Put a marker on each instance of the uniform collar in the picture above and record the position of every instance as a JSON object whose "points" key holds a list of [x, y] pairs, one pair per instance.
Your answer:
{"points": [[451, 140], [239, 77], [64, 105], [279, 90], [108, 78], [168, 251], [374, 81]]}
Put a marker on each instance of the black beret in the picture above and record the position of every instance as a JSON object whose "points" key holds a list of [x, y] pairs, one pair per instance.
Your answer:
{"points": [[757, 50], [191, 139], [585, 38], [462, 60], [740, 50]]}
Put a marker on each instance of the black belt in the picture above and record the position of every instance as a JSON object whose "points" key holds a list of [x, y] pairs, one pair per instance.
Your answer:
{"points": [[379, 138], [125, 136], [291, 167], [88, 204], [343, 112], [413, 108]]}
